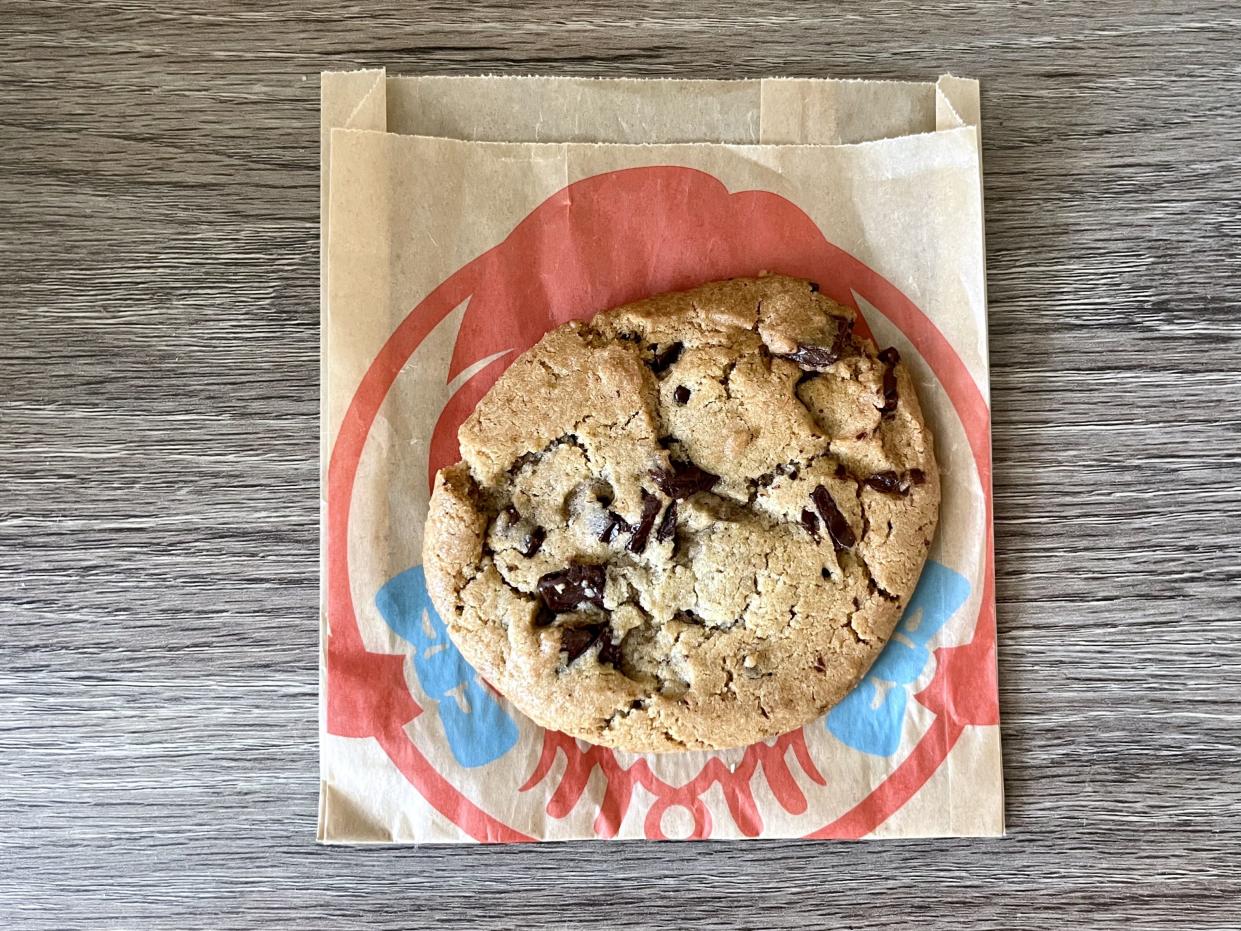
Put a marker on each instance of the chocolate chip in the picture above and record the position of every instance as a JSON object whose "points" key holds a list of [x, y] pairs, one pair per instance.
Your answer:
{"points": [[889, 357], [841, 471], [610, 652], [573, 587], [887, 482], [819, 665], [577, 640], [917, 476], [814, 286], [668, 526], [683, 480], [650, 508], [511, 513], [811, 523], [615, 524], [533, 542], [662, 360], [837, 527], [681, 395]]}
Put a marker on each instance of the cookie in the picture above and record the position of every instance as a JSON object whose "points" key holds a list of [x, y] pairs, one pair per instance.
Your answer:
{"points": [[691, 523]]}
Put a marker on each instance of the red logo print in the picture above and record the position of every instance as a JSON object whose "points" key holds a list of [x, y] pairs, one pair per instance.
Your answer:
{"points": [[597, 243]]}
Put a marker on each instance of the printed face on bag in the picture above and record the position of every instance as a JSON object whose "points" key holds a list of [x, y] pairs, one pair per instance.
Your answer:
{"points": [[477, 759]]}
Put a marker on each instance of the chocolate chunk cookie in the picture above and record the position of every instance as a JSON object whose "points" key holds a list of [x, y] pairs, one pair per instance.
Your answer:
{"points": [[691, 523]]}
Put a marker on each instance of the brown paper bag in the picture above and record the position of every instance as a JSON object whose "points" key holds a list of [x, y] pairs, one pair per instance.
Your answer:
{"points": [[464, 217]]}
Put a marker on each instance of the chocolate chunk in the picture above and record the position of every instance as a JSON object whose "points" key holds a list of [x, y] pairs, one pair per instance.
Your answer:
{"points": [[650, 508], [820, 358], [662, 360], [610, 652], [890, 396], [577, 640], [889, 357], [837, 527], [895, 484], [683, 480], [843, 342], [814, 286], [573, 587], [533, 542], [681, 395], [668, 526], [615, 524], [811, 523], [544, 616], [814, 358], [887, 482]]}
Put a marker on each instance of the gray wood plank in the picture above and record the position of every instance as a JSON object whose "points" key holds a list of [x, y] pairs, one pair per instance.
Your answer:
{"points": [[158, 401]]}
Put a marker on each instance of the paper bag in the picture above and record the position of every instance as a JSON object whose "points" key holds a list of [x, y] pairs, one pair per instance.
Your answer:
{"points": [[464, 217]]}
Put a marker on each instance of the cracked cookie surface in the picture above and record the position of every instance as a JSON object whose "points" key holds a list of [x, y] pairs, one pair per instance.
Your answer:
{"points": [[691, 523]]}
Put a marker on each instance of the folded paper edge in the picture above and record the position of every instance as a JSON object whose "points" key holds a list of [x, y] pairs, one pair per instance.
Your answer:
{"points": [[958, 103], [456, 92], [346, 99], [342, 96], [888, 141], [959, 99], [343, 820], [487, 76]]}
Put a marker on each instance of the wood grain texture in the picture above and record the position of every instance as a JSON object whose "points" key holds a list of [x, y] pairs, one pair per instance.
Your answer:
{"points": [[158, 421]]}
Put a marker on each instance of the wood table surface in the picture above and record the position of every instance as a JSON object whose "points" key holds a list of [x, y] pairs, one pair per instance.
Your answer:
{"points": [[158, 474]]}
